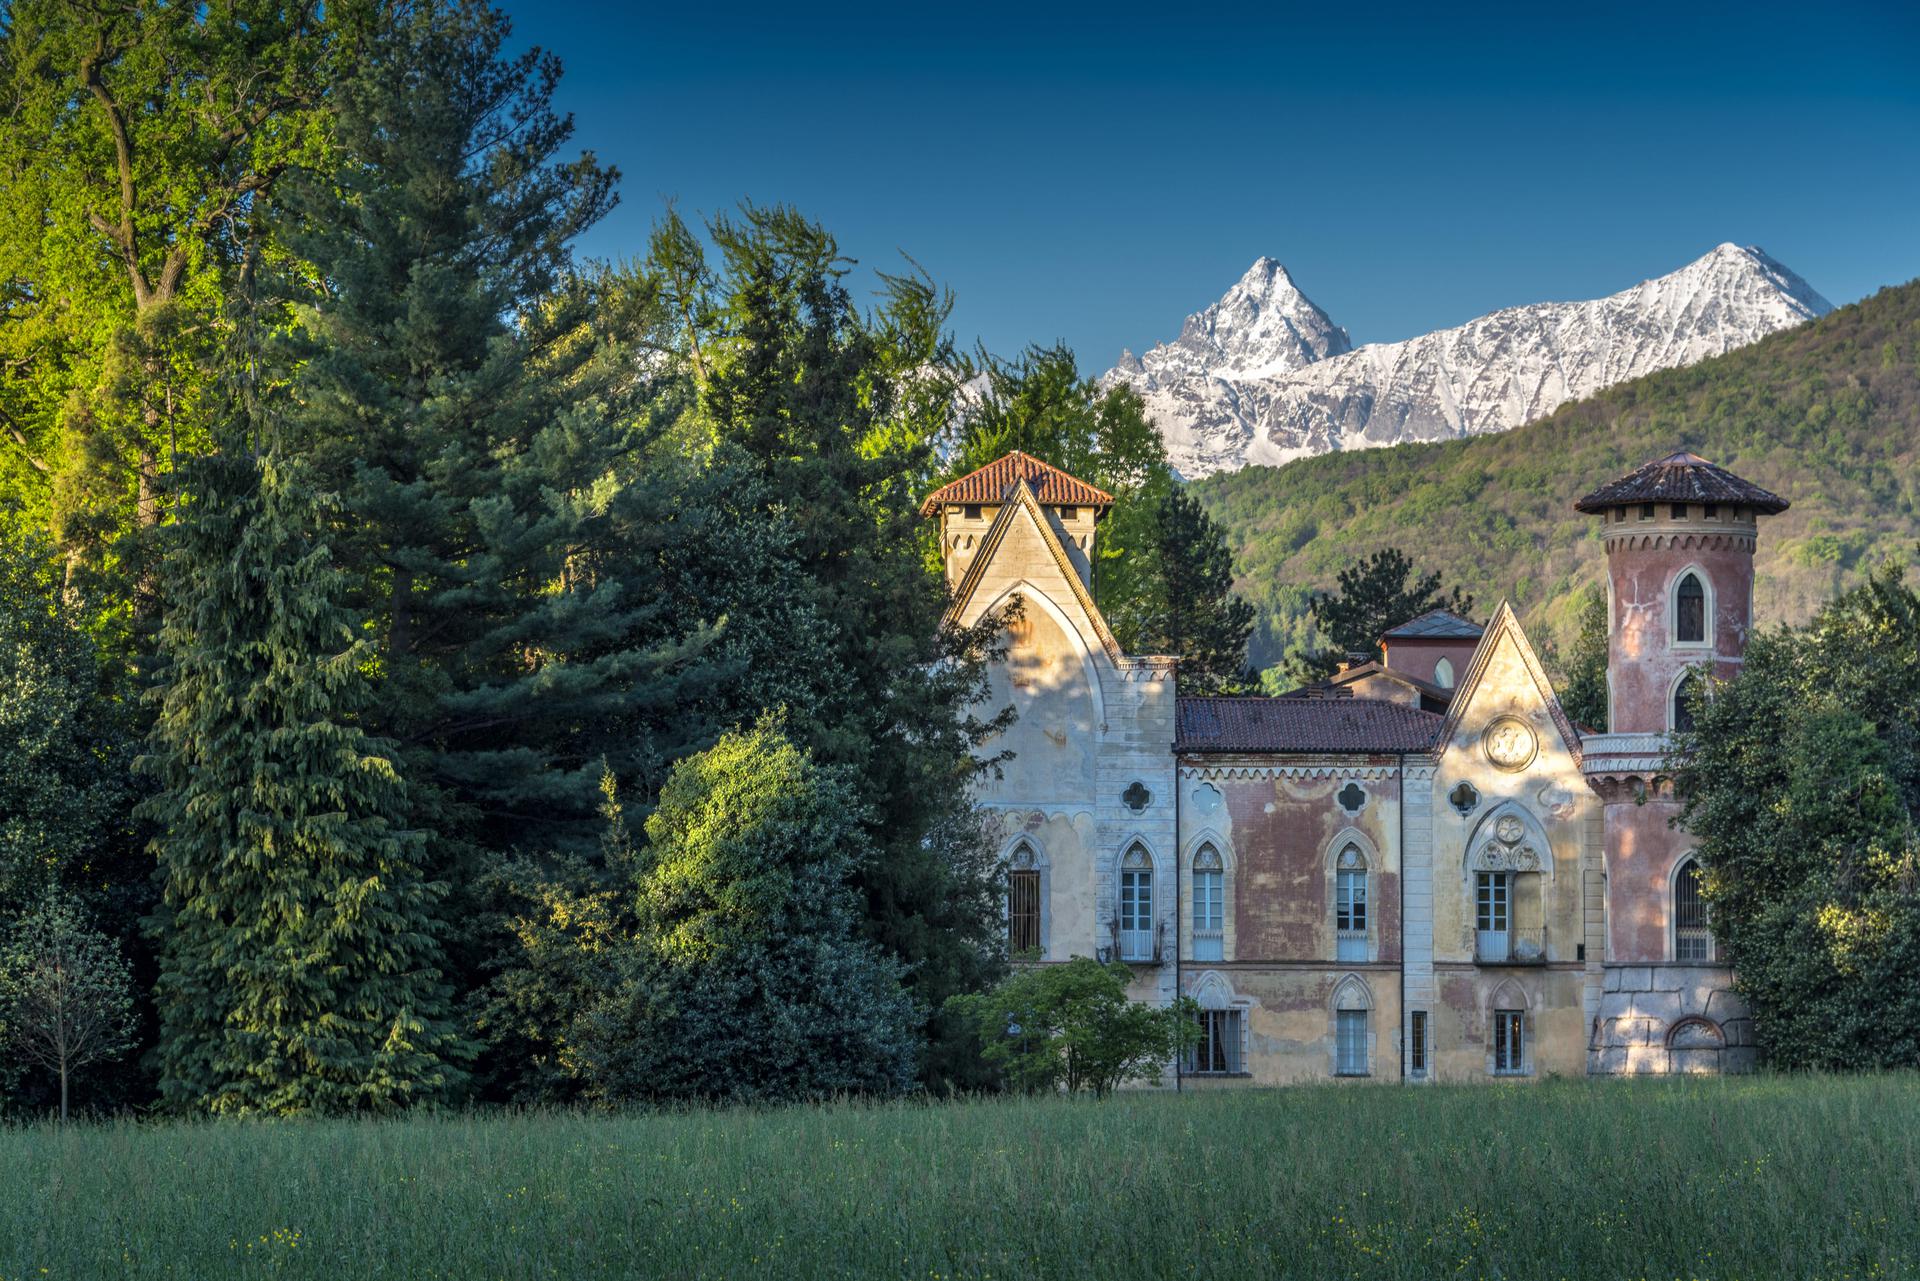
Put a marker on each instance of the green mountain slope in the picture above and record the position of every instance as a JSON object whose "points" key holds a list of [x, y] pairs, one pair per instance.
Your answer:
{"points": [[1827, 414]]}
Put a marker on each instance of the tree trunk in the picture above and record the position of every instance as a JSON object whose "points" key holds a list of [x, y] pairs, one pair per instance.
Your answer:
{"points": [[63, 1091]]}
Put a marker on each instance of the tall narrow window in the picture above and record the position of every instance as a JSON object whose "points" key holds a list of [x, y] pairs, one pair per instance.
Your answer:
{"points": [[1209, 914], [1218, 1051], [1023, 905], [1350, 1043], [1417, 1045], [1136, 906], [1683, 702], [1350, 906], [1509, 1042], [1690, 611], [1443, 673], [1493, 916], [1691, 940]]}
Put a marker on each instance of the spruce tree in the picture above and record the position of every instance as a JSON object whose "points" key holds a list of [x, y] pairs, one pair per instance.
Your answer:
{"points": [[1200, 619], [480, 408], [301, 967]]}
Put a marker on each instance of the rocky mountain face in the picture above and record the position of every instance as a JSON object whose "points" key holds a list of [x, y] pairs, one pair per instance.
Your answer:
{"points": [[1264, 375]]}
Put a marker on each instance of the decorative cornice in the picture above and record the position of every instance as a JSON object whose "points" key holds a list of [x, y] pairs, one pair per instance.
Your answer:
{"points": [[1258, 768], [1660, 540]]}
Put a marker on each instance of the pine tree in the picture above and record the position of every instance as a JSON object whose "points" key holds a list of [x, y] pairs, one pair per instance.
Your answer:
{"points": [[1200, 620], [300, 957], [1378, 594]]}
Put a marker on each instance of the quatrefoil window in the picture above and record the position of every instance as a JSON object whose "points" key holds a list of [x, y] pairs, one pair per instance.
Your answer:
{"points": [[1464, 798], [1352, 797], [1136, 797]]}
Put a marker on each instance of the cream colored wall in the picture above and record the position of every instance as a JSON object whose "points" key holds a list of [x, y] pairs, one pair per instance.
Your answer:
{"points": [[1089, 723], [1548, 789]]}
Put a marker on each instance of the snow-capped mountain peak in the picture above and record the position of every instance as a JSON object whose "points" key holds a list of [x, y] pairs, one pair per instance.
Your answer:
{"points": [[1263, 375]]}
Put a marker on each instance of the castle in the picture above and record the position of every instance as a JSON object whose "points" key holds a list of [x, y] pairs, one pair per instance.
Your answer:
{"points": [[1422, 870]]}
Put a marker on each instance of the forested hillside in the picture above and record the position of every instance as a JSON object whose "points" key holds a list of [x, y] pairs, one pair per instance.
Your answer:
{"points": [[1827, 414]]}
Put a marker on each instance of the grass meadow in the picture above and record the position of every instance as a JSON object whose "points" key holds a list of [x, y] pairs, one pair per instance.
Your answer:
{"points": [[1757, 1177]]}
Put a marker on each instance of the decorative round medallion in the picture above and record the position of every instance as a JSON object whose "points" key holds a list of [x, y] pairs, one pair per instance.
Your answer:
{"points": [[1510, 829], [1509, 743]]}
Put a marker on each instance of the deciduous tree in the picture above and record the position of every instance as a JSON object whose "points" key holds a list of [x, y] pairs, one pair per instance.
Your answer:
{"points": [[1802, 787], [66, 992]]}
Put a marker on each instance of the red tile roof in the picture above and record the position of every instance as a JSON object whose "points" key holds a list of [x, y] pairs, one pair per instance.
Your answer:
{"points": [[1302, 725], [1053, 487], [1681, 478]]}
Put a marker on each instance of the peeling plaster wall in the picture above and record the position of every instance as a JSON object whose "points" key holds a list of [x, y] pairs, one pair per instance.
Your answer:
{"points": [[1089, 725], [1289, 1017]]}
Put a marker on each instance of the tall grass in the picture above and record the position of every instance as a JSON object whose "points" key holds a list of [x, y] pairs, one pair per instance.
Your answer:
{"points": [[1763, 1177]]}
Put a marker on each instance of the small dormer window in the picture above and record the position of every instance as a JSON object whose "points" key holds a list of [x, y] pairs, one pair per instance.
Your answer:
{"points": [[1646, 511], [973, 511], [1679, 511]]}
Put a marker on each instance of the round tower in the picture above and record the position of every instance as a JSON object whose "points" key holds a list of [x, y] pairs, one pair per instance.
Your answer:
{"points": [[1679, 534]]}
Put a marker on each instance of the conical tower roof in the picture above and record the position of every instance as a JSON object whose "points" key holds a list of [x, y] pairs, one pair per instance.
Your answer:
{"points": [[1681, 478]]}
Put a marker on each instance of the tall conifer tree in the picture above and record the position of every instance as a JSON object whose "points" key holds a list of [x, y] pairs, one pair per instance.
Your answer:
{"points": [[300, 959]]}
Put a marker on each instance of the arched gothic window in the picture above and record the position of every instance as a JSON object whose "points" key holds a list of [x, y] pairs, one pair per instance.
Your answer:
{"points": [[1209, 905], [1136, 905], [1682, 717], [1690, 610], [1691, 939], [1023, 903], [1350, 905], [1443, 674]]}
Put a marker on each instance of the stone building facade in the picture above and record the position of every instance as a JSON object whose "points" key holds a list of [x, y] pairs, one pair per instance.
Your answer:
{"points": [[1418, 870]]}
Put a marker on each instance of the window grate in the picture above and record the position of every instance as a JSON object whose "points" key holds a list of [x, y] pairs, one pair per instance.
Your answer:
{"points": [[1692, 941], [1023, 912], [1417, 1051], [1218, 1050]]}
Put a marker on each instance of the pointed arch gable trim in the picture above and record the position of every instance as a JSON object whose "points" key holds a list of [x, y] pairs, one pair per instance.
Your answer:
{"points": [[1351, 836], [1020, 501], [1504, 623], [1030, 594], [1208, 835], [1350, 993]]}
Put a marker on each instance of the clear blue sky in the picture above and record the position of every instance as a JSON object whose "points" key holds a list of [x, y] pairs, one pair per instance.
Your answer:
{"points": [[1095, 175]]}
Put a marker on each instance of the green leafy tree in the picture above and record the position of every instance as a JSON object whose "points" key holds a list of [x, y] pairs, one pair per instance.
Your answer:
{"points": [[1583, 677], [1072, 1027], [141, 143], [65, 745], [1801, 781], [1198, 617], [301, 966], [1378, 594], [66, 992], [750, 978]]}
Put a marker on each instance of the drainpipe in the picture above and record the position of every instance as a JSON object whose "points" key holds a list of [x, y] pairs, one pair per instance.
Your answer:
{"points": [[1406, 1020], [1176, 878]]}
